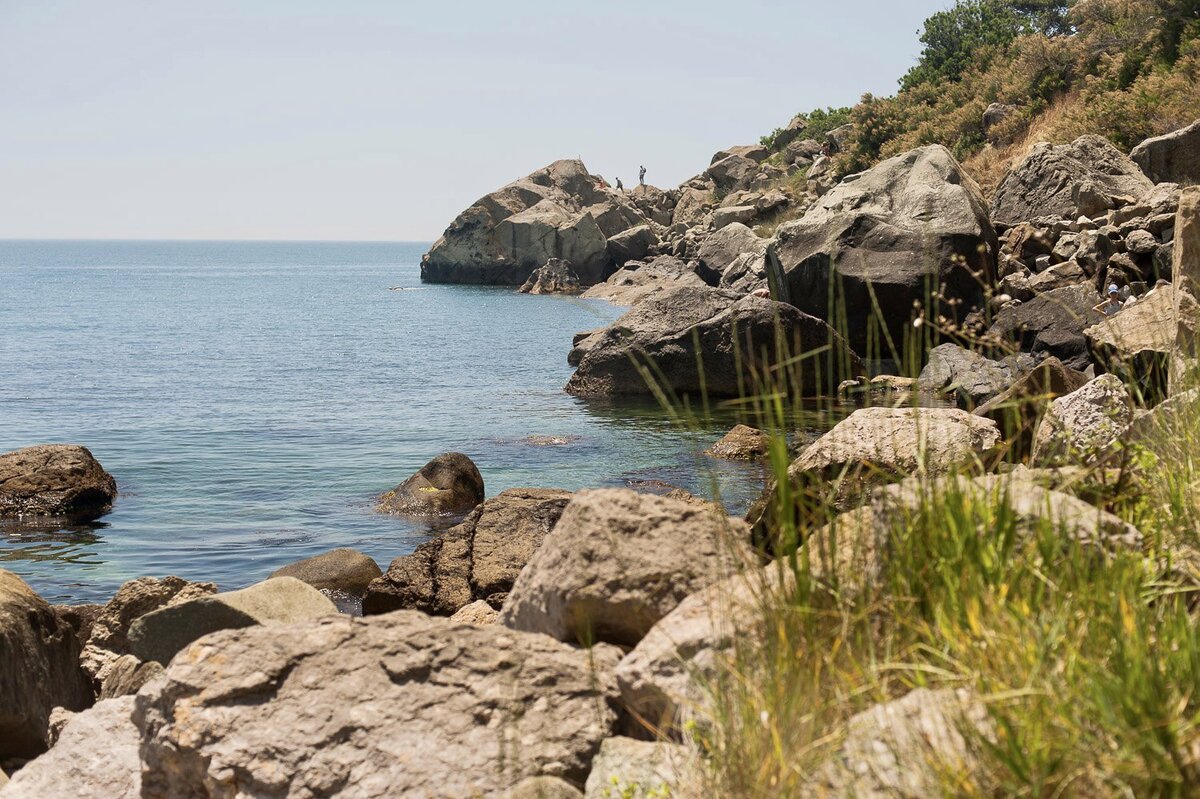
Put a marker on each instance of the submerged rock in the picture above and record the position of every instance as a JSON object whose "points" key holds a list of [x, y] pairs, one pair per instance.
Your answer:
{"points": [[1084, 178], [477, 560], [911, 227], [738, 341], [448, 485], [742, 443], [39, 668], [158, 635], [398, 705], [55, 480], [619, 561], [345, 570]]}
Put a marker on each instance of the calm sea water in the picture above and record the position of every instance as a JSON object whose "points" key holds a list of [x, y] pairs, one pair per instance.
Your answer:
{"points": [[252, 399]]}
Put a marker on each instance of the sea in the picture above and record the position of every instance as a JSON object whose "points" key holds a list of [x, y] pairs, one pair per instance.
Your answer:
{"points": [[253, 399]]}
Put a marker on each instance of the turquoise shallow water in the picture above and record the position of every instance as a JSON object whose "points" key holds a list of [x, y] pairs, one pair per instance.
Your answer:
{"points": [[252, 398]]}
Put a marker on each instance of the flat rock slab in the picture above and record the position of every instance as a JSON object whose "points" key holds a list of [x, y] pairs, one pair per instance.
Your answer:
{"points": [[96, 757], [158, 635], [56, 480], [397, 705]]}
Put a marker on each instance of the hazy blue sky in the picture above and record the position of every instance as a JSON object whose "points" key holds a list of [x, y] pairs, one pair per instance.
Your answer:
{"points": [[353, 119]]}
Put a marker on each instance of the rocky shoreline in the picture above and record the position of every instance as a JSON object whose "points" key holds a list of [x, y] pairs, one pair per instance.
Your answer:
{"points": [[555, 643]]}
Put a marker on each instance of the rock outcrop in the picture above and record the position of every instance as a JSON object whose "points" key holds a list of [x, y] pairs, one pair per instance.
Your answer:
{"points": [[1172, 158], [54, 480], [618, 562], [397, 705], [39, 668], [479, 559], [637, 282], [345, 570], [909, 228], [158, 635], [95, 757], [738, 341], [555, 277], [1084, 178], [449, 485], [561, 211]]}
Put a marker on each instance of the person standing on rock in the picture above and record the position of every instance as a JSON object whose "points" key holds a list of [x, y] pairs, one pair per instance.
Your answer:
{"points": [[620, 185], [1112, 304], [642, 176]]}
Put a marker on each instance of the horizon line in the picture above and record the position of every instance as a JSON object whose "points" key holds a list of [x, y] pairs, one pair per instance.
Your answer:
{"points": [[214, 240]]}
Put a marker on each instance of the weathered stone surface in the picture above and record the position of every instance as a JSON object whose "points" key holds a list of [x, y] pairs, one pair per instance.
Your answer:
{"points": [[544, 788], [671, 670], [913, 225], [96, 757], [337, 570], [971, 377], [109, 637], [1171, 158], [637, 282], [39, 668], [907, 748], [398, 705], [1084, 178], [721, 248], [1080, 427], [755, 152], [126, 675], [478, 612], [448, 485], [732, 173], [632, 244], [694, 206], [627, 767], [556, 276], [560, 211], [1185, 266], [1137, 342], [900, 441], [1173, 420], [81, 619], [618, 561], [477, 560], [742, 443], [794, 130], [158, 635], [58, 480], [1019, 408], [1051, 324], [723, 217], [737, 340]]}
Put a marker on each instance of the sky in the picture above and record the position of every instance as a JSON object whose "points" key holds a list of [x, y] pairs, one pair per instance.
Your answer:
{"points": [[380, 121]]}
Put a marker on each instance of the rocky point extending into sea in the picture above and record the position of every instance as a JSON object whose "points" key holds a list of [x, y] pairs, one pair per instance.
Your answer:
{"points": [[552, 643]]}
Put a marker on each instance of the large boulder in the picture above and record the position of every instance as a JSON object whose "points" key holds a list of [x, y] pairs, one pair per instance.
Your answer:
{"points": [[344, 570], [109, 637], [1084, 178], [1172, 158], [911, 747], [619, 561], [560, 211], [732, 173], [160, 634], [555, 277], [477, 560], [398, 705], [632, 244], [39, 668], [627, 767], [907, 229], [722, 248], [1051, 324], [55, 480], [1081, 427], [95, 757], [637, 282], [1185, 257], [966, 374], [738, 341], [449, 485], [1137, 343]]}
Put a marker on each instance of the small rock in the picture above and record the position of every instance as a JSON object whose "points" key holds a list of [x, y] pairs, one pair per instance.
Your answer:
{"points": [[1141, 242], [126, 675], [446, 486], [54, 480], [343, 570], [626, 767], [544, 788], [742, 443], [478, 612]]}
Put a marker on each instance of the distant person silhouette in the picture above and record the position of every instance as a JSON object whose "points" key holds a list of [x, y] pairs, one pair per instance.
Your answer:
{"points": [[642, 176], [620, 185]]}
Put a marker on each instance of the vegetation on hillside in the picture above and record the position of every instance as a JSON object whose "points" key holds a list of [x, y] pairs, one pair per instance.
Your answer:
{"points": [[1125, 69]]}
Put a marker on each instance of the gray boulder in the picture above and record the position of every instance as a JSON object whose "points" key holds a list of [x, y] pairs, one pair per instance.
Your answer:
{"points": [[886, 239], [477, 560], [1081, 427], [725, 216], [55, 480], [1051, 324], [39, 668], [345, 570], [560, 211], [95, 757], [633, 244], [794, 130], [722, 248], [619, 561], [742, 443], [738, 340], [556, 276], [398, 705], [755, 152], [126, 675], [448, 485], [694, 205], [1084, 178], [160, 634], [732, 173], [1172, 158], [973, 378]]}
